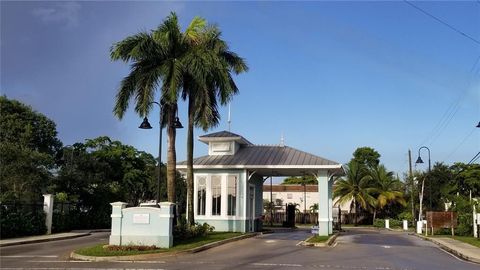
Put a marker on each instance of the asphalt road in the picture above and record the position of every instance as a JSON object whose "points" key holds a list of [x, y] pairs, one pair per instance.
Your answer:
{"points": [[357, 249]]}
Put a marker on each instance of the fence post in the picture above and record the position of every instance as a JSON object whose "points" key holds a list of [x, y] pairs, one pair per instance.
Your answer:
{"points": [[48, 209]]}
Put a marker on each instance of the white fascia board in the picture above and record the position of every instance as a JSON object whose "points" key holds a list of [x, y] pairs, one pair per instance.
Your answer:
{"points": [[326, 167]]}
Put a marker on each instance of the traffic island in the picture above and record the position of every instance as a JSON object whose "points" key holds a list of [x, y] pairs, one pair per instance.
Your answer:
{"points": [[319, 241], [101, 252]]}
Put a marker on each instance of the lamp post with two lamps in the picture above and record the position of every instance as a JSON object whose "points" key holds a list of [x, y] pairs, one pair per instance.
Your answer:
{"points": [[146, 125], [420, 161]]}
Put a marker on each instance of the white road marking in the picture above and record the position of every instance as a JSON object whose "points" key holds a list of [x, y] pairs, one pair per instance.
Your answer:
{"points": [[278, 264], [140, 261], [386, 246], [63, 268], [30, 256], [270, 241], [60, 261]]}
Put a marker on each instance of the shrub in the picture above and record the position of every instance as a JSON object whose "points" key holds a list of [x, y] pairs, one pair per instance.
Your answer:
{"points": [[464, 209], [184, 231], [394, 223], [379, 223], [17, 221], [129, 248]]}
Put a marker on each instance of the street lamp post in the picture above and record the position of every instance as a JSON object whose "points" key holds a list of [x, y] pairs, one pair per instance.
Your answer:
{"points": [[146, 125], [419, 161]]}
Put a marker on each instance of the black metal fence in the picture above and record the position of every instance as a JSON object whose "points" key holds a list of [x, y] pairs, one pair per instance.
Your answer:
{"points": [[22, 219]]}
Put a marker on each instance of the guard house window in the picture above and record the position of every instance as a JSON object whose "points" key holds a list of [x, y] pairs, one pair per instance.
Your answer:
{"points": [[202, 195], [232, 195], [216, 195]]}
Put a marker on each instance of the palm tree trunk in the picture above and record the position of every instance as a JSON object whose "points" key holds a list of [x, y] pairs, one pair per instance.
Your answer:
{"points": [[374, 214], [171, 157], [191, 116], [355, 207]]}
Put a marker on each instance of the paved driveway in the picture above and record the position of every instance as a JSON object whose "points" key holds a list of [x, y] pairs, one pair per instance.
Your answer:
{"points": [[357, 249]]}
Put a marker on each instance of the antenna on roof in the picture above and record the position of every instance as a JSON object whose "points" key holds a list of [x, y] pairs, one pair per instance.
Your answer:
{"points": [[282, 140], [229, 121]]}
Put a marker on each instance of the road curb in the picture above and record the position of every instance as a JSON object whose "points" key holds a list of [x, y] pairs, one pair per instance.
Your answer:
{"points": [[140, 257], [446, 248], [43, 240]]}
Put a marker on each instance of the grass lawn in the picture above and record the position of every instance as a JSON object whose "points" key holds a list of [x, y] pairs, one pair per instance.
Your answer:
{"points": [[98, 250], [466, 239], [318, 239]]}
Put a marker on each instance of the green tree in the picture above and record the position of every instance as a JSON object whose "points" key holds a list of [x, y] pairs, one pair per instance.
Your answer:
{"points": [[356, 187], [28, 149], [156, 59], [209, 65], [387, 189], [367, 156], [297, 180]]}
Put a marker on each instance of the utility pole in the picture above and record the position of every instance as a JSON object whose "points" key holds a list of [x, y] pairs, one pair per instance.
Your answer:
{"points": [[410, 175]]}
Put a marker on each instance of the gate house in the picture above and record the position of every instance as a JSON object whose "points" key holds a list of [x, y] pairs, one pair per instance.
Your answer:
{"points": [[228, 182]]}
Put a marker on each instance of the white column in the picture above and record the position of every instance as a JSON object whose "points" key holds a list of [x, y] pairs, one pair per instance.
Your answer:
{"points": [[475, 222], [330, 206], [117, 215], [48, 209], [323, 204]]}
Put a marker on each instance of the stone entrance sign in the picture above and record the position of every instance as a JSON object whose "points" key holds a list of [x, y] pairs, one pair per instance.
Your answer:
{"points": [[142, 226]]}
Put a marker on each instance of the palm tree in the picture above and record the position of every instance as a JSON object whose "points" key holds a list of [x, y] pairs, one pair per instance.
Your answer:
{"points": [[156, 59], [355, 187], [209, 69], [387, 189]]}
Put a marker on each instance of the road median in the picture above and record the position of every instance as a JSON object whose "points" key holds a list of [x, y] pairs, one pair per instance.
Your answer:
{"points": [[159, 254]]}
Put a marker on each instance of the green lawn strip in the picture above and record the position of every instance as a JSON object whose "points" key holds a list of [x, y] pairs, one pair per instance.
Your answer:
{"points": [[466, 239], [318, 239], [98, 250]]}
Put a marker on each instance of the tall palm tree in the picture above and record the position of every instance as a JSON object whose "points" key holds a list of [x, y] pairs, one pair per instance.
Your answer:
{"points": [[208, 77], [156, 59], [387, 189], [355, 187]]}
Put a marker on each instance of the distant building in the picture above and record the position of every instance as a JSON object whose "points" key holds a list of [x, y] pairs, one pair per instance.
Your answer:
{"points": [[298, 194]]}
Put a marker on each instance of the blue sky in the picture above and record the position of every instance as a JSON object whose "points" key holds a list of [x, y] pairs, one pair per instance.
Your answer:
{"points": [[330, 76]]}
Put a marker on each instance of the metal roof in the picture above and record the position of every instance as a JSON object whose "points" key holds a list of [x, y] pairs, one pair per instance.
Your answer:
{"points": [[223, 136], [262, 155]]}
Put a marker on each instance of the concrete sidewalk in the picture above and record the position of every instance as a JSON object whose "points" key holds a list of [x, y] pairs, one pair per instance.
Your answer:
{"points": [[460, 249], [41, 238]]}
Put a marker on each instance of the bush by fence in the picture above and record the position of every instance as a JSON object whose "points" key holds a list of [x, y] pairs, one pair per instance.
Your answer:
{"points": [[394, 223], [18, 220], [21, 220], [72, 216]]}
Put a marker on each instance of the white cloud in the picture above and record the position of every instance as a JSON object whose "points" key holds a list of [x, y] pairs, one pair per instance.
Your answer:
{"points": [[63, 13]]}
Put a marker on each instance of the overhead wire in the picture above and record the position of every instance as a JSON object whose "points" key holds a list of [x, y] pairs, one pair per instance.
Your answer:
{"points": [[450, 113], [442, 22], [460, 144], [474, 158]]}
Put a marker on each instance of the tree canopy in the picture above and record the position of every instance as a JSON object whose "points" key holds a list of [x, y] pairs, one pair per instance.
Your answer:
{"points": [[367, 156], [299, 180], [28, 147]]}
